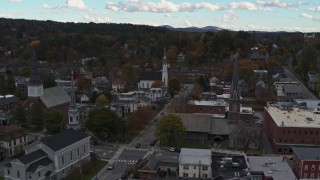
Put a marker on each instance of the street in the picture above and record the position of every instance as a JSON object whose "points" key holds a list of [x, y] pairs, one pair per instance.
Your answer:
{"points": [[127, 155]]}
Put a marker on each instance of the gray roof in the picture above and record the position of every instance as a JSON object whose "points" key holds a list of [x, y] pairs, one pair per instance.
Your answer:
{"points": [[195, 156], [8, 99], [152, 76], [43, 162], [280, 170], [64, 139], [28, 158], [196, 122], [291, 88], [307, 153], [206, 123], [54, 96]]}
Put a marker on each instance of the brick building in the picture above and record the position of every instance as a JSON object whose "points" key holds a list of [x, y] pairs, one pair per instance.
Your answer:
{"points": [[212, 107], [306, 162], [286, 127]]}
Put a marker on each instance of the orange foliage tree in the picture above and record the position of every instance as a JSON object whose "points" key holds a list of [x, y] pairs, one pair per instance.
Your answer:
{"points": [[140, 119]]}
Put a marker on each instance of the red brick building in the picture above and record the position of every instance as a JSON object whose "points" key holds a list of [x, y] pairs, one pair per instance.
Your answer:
{"points": [[306, 162], [209, 107], [287, 127]]}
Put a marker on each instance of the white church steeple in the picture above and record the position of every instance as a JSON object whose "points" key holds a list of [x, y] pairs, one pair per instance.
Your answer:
{"points": [[73, 114], [165, 69], [35, 85]]}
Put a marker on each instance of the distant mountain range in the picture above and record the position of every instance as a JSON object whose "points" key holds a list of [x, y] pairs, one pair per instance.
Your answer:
{"points": [[194, 29]]}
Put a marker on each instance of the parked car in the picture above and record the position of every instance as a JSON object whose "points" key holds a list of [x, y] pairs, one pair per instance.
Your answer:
{"points": [[178, 150], [172, 149], [111, 165], [137, 145]]}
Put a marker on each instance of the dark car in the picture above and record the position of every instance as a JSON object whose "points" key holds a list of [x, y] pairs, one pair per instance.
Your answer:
{"points": [[154, 142], [178, 150], [137, 145]]}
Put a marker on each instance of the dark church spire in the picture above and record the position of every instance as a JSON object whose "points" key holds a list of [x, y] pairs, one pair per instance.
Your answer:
{"points": [[35, 76], [235, 92], [72, 92]]}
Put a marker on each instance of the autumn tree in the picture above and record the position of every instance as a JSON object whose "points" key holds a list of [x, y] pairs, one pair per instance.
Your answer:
{"points": [[174, 85], [53, 121], [83, 83], [102, 99], [104, 121], [171, 131], [156, 84], [140, 119]]}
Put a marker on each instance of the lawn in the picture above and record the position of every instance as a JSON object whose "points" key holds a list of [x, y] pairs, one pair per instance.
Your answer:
{"points": [[254, 105], [1, 178], [89, 170], [197, 145]]}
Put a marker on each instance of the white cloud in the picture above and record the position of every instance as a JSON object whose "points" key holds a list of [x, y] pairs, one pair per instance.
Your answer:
{"points": [[243, 5], [168, 15], [78, 4], [252, 27], [96, 19], [163, 6], [305, 15], [316, 9], [308, 16], [188, 24], [7, 15], [229, 17], [274, 3], [14, 0], [46, 6]]}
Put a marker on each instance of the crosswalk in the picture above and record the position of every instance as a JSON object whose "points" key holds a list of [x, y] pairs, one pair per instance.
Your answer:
{"points": [[137, 149], [126, 161]]}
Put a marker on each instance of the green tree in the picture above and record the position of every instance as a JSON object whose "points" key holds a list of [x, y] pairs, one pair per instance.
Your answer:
{"points": [[49, 81], [171, 131], [20, 115], [10, 85], [104, 121], [36, 116], [53, 121]]}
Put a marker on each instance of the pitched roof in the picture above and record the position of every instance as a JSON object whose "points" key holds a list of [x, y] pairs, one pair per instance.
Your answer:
{"points": [[11, 131], [54, 96], [196, 122], [8, 99], [152, 76], [307, 153], [64, 139], [28, 158], [43, 162]]}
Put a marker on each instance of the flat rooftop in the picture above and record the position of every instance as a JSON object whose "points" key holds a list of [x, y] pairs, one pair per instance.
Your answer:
{"points": [[307, 153], [294, 117], [274, 166], [208, 103], [194, 156]]}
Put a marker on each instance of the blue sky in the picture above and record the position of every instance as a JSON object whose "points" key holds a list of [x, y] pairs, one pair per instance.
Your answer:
{"points": [[266, 15]]}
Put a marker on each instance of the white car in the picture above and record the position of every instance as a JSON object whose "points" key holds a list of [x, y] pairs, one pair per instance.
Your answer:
{"points": [[111, 165], [172, 149]]}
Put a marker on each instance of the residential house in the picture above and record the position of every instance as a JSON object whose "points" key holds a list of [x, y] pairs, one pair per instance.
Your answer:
{"points": [[154, 164], [50, 158], [195, 163], [12, 139], [306, 162], [260, 90], [8, 102], [288, 126], [118, 85], [269, 168], [5, 118], [155, 94], [260, 74], [243, 86], [102, 84], [313, 79], [181, 57], [257, 56], [85, 97], [189, 74], [148, 78], [288, 90], [278, 70], [208, 96]]}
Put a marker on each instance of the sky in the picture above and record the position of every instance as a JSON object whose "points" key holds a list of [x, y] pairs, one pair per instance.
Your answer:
{"points": [[258, 15]]}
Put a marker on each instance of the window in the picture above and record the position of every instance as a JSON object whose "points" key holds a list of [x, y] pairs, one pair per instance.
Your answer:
{"points": [[62, 171], [305, 132], [318, 175], [289, 132], [194, 175], [8, 171], [78, 152], [204, 168], [313, 167], [39, 173], [185, 174], [185, 167], [18, 173], [14, 142], [62, 160], [305, 175], [84, 148], [71, 155], [312, 175], [283, 132], [204, 176], [194, 167], [305, 167]]}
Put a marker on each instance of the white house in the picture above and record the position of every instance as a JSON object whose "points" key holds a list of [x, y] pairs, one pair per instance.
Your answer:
{"points": [[117, 85], [154, 94], [195, 163]]}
